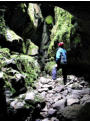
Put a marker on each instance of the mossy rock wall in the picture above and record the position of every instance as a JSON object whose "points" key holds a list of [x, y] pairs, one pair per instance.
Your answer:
{"points": [[67, 29], [28, 66]]}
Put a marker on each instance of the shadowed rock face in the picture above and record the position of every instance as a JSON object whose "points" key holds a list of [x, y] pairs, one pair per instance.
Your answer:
{"points": [[79, 10]]}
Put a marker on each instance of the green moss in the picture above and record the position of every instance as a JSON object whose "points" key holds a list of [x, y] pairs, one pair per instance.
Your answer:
{"points": [[61, 30], [23, 6], [24, 47], [29, 67], [38, 98], [11, 35], [77, 40], [9, 86], [4, 54], [49, 66], [31, 12], [2, 23], [30, 48], [49, 19]]}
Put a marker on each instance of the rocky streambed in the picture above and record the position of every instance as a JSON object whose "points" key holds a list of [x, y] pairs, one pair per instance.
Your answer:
{"points": [[51, 100]]}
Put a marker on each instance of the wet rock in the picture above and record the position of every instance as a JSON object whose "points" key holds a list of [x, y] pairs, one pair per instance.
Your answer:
{"points": [[69, 89], [45, 109], [29, 96], [14, 102], [74, 96], [56, 98], [21, 96], [44, 80], [19, 105], [7, 93], [59, 88], [51, 112], [76, 86], [81, 92], [85, 99], [43, 94], [38, 120], [59, 104], [54, 119], [46, 86], [82, 83], [46, 119], [71, 101], [44, 114], [64, 93], [43, 89], [12, 39], [72, 77]]}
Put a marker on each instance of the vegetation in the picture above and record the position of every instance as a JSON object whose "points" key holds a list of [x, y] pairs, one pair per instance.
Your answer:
{"points": [[29, 67], [49, 66], [49, 19], [63, 30], [2, 23]]}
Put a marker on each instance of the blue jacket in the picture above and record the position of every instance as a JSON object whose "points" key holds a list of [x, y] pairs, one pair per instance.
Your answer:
{"points": [[62, 55]]}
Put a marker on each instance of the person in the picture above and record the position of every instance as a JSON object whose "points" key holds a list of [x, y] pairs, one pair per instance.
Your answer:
{"points": [[61, 61]]}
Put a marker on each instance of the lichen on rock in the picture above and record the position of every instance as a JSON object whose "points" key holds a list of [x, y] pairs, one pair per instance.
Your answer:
{"points": [[29, 67], [11, 36]]}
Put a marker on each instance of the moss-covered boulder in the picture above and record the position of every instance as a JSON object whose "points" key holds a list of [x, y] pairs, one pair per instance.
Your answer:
{"points": [[28, 66], [4, 54], [11, 36], [30, 48], [49, 66]]}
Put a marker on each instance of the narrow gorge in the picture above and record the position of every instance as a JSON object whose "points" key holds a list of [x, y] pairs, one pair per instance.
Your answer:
{"points": [[29, 37]]}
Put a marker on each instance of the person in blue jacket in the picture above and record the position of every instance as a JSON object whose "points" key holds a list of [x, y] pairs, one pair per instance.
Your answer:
{"points": [[61, 60]]}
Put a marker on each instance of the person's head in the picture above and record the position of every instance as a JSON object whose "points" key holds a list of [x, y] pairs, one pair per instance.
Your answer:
{"points": [[60, 44]]}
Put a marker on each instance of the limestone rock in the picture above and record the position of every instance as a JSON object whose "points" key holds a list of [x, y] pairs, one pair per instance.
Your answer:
{"points": [[13, 40], [72, 101], [29, 96], [59, 104], [51, 112]]}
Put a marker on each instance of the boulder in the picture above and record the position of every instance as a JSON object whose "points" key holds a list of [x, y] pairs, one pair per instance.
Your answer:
{"points": [[16, 104], [71, 101], [13, 40], [51, 112], [31, 48], [60, 104], [30, 96], [85, 99], [59, 88], [81, 92]]}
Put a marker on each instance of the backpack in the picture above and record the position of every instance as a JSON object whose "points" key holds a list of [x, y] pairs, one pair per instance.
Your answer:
{"points": [[63, 57]]}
